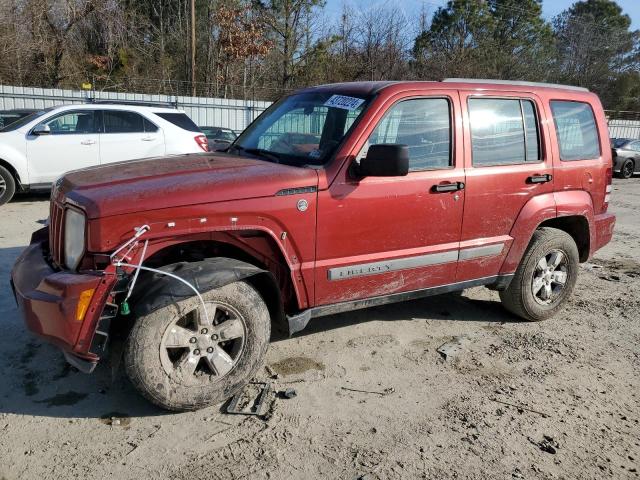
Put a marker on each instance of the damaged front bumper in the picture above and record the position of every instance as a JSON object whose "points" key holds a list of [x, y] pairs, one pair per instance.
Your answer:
{"points": [[49, 299]]}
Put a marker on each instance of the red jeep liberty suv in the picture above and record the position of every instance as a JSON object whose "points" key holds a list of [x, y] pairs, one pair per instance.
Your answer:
{"points": [[337, 197]]}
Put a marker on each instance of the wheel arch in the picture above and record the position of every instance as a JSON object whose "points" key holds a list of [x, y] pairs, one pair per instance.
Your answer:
{"points": [[13, 171], [570, 211], [577, 226], [224, 261]]}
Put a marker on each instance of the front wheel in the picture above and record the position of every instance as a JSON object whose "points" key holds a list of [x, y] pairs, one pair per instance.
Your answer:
{"points": [[180, 358], [545, 277], [7, 185]]}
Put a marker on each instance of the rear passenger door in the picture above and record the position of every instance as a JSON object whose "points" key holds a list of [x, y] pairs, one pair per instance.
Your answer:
{"points": [[506, 165], [127, 135]]}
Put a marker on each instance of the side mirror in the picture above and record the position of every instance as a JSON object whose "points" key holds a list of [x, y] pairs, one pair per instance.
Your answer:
{"points": [[384, 160], [41, 129]]}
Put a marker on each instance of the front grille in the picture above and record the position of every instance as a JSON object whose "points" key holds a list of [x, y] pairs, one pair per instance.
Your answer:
{"points": [[56, 238]]}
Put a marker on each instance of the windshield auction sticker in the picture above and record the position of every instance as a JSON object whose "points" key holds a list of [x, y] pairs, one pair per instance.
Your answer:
{"points": [[344, 102]]}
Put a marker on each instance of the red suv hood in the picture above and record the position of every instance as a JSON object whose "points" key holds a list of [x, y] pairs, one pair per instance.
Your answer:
{"points": [[181, 180]]}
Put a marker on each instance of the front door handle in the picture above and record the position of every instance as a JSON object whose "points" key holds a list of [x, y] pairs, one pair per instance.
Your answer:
{"points": [[544, 178], [448, 187], [88, 142], [148, 139]]}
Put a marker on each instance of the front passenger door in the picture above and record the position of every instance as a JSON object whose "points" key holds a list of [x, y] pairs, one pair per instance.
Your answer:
{"points": [[385, 235], [72, 143]]}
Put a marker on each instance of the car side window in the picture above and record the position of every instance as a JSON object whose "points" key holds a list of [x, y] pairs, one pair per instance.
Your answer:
{"points": [[576, 130], [119, 121], [72, 123], [503, 131], [149, 127], [635, 146], [424, 125]]}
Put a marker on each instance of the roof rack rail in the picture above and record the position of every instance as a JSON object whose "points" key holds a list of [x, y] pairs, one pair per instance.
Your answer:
{"points": [[138, 103], [516, 82]]}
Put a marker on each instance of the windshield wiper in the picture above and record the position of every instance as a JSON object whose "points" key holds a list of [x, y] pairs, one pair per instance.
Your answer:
{"points": [[258, 151]]}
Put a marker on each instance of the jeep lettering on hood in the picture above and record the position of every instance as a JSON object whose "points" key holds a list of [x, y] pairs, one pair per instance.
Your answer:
{"points": [[183, 180]]}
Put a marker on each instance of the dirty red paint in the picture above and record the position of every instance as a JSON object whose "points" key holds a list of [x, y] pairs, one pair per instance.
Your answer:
{"points": [[348, 222]]}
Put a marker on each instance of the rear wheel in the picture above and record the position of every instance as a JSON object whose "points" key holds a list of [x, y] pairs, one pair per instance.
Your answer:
{"points": [[545, 277], [7, 185], [181, 358], [627, 169]]}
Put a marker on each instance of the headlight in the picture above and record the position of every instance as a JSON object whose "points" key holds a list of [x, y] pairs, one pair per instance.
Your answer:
{"points": [[74, 225]]}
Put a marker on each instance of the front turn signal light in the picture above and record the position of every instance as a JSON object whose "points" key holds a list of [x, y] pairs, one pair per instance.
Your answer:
{"points": [[83, 303]]}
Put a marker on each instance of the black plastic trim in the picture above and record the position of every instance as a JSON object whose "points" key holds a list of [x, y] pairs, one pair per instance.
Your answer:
{"points": [[296, 191], [300, 321], [156, 291]]}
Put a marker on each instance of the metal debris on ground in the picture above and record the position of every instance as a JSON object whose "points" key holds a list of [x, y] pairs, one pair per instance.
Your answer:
{"points": [[386, 391], [520, 408], [454, 347], [272, 373], [548, 444], [290, 393], [252, 400]]}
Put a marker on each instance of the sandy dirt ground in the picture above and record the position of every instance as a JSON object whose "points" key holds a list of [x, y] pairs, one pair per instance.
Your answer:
{"points": [[558, 399]]}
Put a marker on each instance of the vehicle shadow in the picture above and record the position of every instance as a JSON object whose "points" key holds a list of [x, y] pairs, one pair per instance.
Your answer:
{"points": [[31, 197], [37, 380], [446, 307]]}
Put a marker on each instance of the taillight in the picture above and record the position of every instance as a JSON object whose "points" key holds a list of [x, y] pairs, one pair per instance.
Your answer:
{"points": [[202, 142], [607, 189]]}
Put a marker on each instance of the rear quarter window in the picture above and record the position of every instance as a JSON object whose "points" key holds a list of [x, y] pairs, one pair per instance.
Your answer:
{"points": [[179, 120], [576, 130]]}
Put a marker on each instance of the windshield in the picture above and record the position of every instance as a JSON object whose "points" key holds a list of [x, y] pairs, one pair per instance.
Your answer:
{"points": [[619, 142], [23, 121], [302, 129]]}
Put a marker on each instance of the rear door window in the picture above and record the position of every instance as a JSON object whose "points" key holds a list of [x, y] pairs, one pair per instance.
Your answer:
{"points": [[116, 121], [504, 131], [576, 130], [179, 120]]}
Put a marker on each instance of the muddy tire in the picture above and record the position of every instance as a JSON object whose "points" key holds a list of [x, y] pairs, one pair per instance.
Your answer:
{"points": [[545, 277], [7, 185], [182, 359]]}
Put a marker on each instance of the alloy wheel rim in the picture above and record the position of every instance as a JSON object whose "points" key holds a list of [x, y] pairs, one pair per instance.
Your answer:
{"points": [[628, 170], [3, 186], [196, 351], [550, 277]]}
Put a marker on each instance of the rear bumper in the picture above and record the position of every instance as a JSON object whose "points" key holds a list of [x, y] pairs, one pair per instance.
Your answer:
{"points": [[604, 224], [48, 301]]}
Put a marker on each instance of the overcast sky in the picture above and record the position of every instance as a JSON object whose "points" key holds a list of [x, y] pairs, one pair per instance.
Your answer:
{"points": [[550, 7]]}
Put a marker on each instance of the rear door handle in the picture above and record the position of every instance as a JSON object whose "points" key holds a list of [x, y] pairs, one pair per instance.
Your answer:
{"points": [[448, 187], [547, 177], [88, 142], [148, 139]]}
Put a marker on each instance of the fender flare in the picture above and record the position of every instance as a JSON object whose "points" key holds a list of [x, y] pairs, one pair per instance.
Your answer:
{"points": [[533, 213], [156, 291], [572, 203]]}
